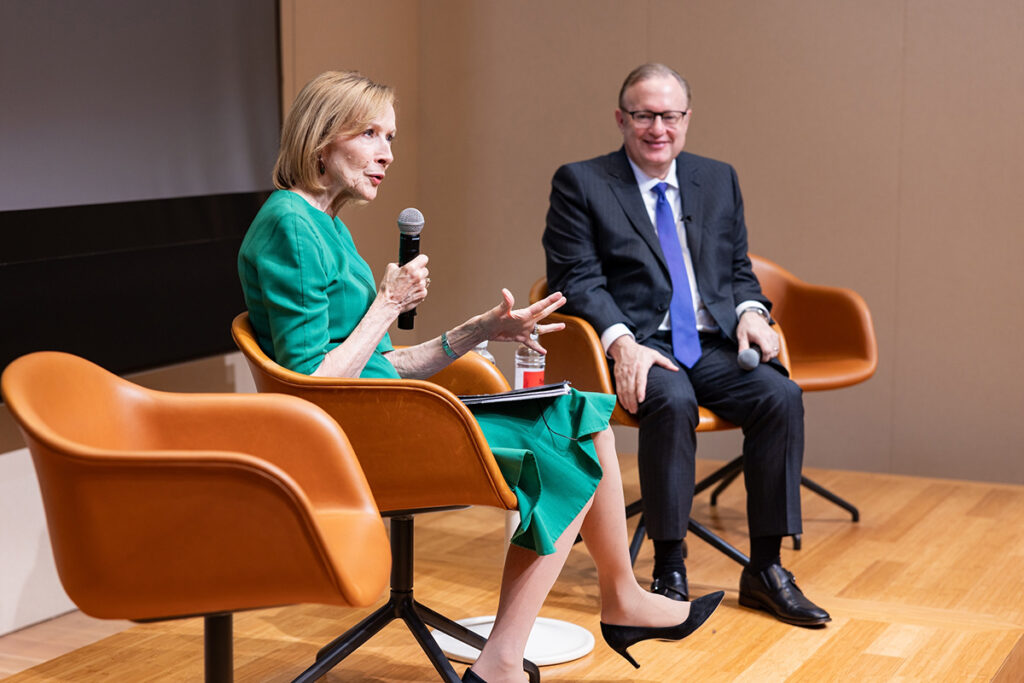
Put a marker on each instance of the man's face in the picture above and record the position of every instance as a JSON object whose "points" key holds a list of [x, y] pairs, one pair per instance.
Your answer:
{"points": [[653, 147]]}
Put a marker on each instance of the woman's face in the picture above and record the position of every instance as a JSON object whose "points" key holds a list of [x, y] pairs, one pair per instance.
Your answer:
{"points": [[355, 166]]}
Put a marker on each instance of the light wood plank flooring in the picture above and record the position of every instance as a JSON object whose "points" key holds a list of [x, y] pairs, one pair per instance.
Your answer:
{"points": [[929, 586]]}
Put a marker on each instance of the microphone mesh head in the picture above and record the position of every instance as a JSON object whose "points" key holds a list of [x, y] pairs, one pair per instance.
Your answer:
{"points": [[410, 221], [748, 359]]}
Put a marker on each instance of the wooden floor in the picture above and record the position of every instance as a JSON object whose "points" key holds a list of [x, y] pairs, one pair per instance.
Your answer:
{"points": [[928, 586]]}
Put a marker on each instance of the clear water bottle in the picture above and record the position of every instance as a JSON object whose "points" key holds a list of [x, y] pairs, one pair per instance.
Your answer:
{"points": [[529, 366], [481, 348]]}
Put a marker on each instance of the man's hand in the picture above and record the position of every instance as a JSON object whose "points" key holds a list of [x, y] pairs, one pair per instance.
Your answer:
{"points": [[632, 363], [754, 329]]}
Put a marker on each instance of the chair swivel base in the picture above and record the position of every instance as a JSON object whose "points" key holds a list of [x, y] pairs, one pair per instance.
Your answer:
{"points": [[402, 605], [418, 618]]}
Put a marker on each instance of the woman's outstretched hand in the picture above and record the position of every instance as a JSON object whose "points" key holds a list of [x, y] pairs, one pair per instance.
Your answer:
{"points": [[505, 324], [405, 287]]}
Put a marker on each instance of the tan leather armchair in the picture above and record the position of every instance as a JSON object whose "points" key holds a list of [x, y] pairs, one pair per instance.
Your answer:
{"points": [[163, 505], [421, 450], [831, 336]]}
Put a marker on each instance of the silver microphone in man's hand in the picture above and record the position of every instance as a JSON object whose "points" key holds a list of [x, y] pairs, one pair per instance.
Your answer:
{"points": [[410, 224], [749, 358]]}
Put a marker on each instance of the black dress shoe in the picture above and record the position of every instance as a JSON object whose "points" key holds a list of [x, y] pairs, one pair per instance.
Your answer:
{"points": [[774, 590], [619, 638], [471, 677], [671, 585]]}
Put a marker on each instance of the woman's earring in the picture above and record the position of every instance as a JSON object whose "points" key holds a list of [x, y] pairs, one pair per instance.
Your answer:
{"points": [[320, 165]]}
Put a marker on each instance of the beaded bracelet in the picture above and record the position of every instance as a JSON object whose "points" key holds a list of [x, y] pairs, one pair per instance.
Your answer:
{"points": [[446, 347]]}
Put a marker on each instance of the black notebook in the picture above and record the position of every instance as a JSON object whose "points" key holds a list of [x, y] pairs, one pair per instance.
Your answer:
{"points": [[543, 391]]}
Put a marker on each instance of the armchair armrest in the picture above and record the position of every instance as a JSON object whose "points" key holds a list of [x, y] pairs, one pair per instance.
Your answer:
{"points": [[576, 354], [472, 374], [283, 431]]}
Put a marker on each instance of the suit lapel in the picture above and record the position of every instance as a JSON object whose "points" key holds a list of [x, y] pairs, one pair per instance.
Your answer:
{"points": [[689, 189], [623, 185]]}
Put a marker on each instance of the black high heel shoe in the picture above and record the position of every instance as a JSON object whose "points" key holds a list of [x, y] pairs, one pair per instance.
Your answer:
{"points": [[472, 677], [619, 638]]}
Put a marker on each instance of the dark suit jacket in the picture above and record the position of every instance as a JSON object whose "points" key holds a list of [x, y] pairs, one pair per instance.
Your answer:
{"points": [[604, 255]]}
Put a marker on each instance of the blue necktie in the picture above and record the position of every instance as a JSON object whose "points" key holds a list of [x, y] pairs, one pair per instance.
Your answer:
{"points": [[685, 342]]}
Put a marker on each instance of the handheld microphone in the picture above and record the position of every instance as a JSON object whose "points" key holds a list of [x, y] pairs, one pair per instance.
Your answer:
{"points": [[749, 358], [410, 223]]}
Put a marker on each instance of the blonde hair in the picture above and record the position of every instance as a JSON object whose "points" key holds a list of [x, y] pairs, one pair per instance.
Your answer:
{"points": [[335, 103]]}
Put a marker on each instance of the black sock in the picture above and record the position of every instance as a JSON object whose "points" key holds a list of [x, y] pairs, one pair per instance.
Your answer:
{"points": [[764, 552], [668, 557]]}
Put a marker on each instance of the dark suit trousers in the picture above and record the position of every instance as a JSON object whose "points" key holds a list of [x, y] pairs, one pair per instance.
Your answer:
{"points": [[768, 407]]}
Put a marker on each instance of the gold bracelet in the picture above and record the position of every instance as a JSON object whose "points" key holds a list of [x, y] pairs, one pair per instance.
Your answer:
{"points": [[446, 347]]}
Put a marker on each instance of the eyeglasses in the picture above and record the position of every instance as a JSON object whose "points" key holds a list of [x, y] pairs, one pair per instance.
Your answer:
{"points": [[645, 119]]}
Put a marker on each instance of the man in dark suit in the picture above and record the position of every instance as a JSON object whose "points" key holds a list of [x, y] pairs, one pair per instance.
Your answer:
{"points": [[649, 245]]}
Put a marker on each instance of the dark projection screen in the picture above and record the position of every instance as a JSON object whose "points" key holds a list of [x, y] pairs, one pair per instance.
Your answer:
{"points": [[137, 141]]}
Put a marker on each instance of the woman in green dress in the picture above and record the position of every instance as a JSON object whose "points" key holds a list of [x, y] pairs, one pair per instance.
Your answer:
{"points": [[315, 308]]}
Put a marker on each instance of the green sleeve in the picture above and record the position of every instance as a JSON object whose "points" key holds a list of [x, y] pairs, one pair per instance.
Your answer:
{"points": [[294, 290]]}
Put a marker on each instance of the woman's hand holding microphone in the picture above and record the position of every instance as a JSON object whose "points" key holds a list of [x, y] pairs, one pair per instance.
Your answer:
{"points": [[405, 287]]}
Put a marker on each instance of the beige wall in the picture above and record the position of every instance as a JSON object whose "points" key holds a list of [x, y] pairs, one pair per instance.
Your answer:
{"points": [[878, 144]]}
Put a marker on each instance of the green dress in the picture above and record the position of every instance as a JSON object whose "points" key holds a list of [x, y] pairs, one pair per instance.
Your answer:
{"points": [[306, 288]]}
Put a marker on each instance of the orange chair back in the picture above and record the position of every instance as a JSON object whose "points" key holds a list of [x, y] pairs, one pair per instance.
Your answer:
{"points": [[829, 330]]}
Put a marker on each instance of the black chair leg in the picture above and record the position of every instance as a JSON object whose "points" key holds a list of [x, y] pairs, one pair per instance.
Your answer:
{"points": [[467, 636], [828, 495], [433, 651], [218, 647], [699, 530], [718, 542], [449, 627], [733, 466], [331, 654], [402, 605], [724, 484]]}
